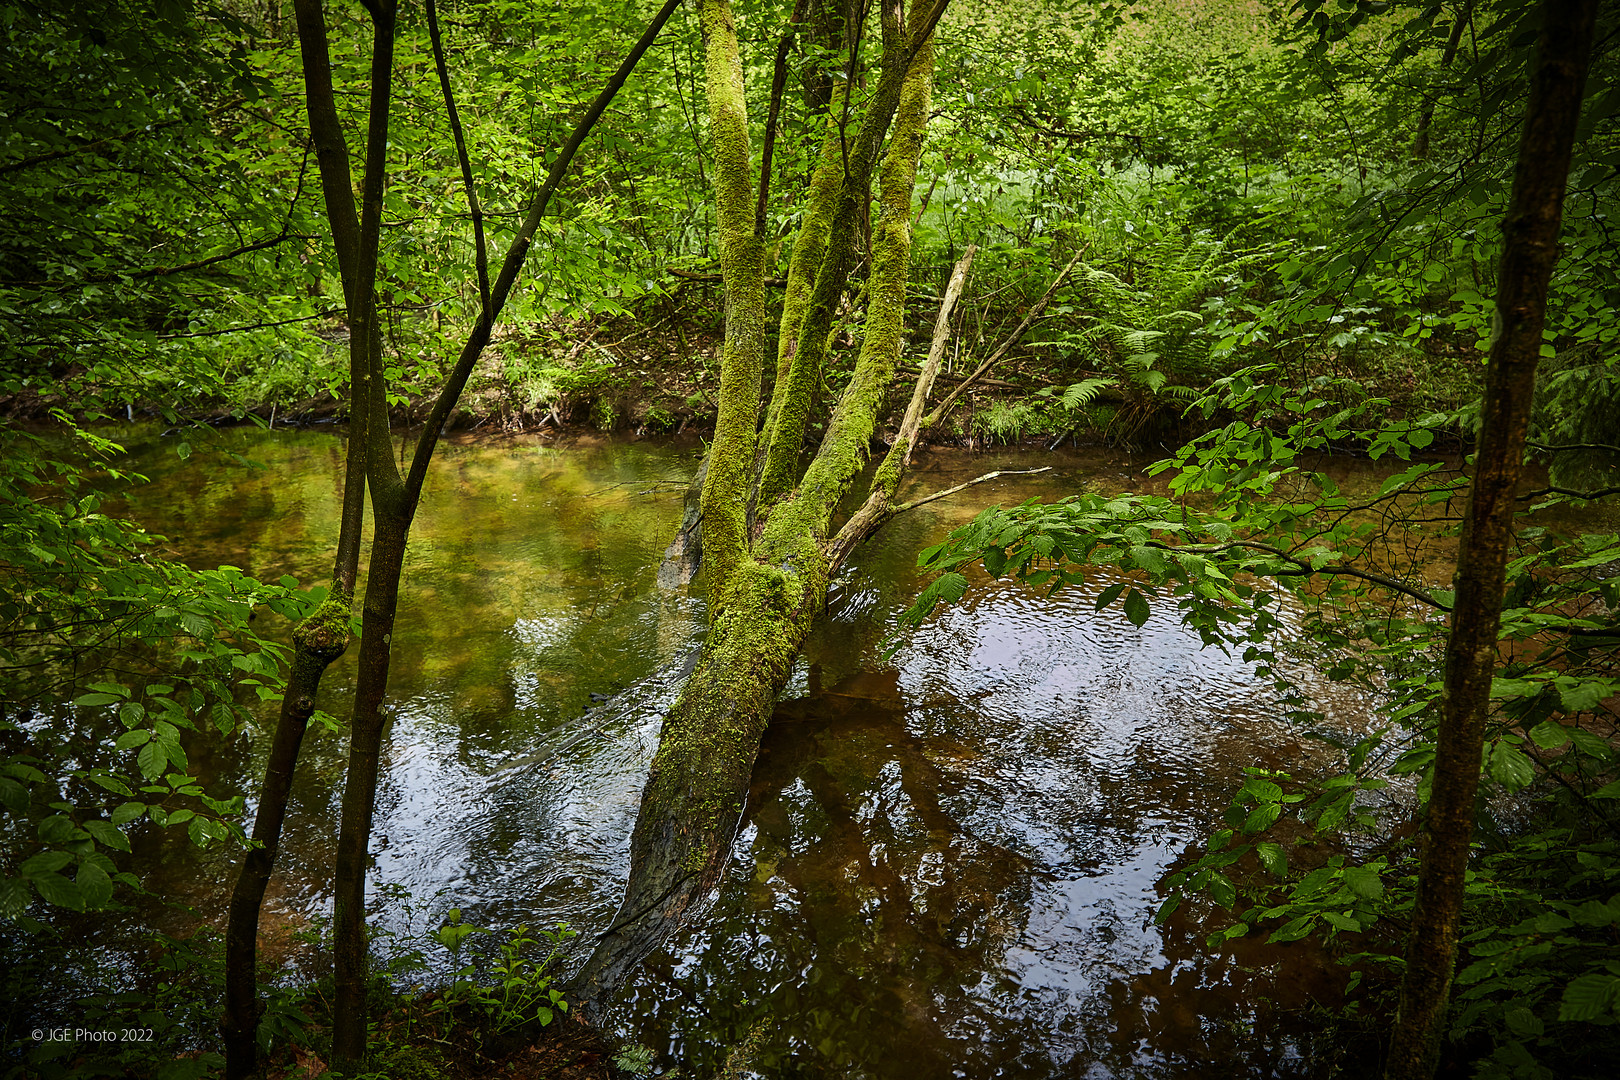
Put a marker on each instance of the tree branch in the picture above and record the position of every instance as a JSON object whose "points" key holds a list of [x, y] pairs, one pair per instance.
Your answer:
{"points": [[936, 496], [1001, 350], [1599, 493], [512, 265], [778, 83], [480, 251]]}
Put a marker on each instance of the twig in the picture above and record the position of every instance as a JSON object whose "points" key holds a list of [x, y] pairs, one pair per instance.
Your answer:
{"points": [[1600, 493], [1546, 449]]}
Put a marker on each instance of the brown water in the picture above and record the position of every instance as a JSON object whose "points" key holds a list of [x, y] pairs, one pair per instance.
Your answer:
{"points": [[949, 862]]}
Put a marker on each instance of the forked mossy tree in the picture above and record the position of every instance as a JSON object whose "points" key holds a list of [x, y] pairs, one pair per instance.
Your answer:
{"points": [[769, 542]]}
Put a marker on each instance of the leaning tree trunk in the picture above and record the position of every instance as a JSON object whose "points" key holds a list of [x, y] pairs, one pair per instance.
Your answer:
{"points": [[1528, 257], [774, 587]]}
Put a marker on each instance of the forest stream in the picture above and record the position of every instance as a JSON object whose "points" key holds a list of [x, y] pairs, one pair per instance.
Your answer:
{"points": [[950, 859]]}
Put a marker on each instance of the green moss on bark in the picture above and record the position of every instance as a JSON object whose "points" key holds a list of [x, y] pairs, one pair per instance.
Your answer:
{"points": [[325, 633], [742, 264], [809, 248]]}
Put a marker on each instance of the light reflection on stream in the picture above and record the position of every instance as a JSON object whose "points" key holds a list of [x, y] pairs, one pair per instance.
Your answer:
{"points": [[949, 864]]}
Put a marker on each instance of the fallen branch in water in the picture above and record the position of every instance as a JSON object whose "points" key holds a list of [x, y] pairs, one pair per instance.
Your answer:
{"points": [[914, 503]]}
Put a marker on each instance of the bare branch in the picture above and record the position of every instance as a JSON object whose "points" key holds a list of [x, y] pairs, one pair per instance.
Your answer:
{"points": [[936, 496], [1001, 350], [912, 424]]}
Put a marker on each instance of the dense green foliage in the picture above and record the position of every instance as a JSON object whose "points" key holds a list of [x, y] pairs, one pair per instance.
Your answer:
{"points": [[1288, 218]]}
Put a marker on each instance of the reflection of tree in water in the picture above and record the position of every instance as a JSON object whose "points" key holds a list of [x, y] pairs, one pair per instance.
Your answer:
{"points": [[868, 913]]}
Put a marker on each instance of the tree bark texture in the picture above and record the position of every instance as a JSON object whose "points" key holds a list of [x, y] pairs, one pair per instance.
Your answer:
{"points": [[394, 499], [1529, 254], [791, 402], [742, 265], [322, 638], [697, 787]]}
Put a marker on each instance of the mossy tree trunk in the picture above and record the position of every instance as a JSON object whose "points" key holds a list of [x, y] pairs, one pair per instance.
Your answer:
{"points": [[774, 584], [1531, 251]]}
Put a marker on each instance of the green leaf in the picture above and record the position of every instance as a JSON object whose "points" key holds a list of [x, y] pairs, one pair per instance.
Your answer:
{"points": [[1594, 746], [1549, 735], [1583, 696], [1364, 881], [1273, 858], [1262, 817], [14, 897], [1595, 913], [1292, 930], [58, 890], [1510, 768], [1524, 1023], [1341, 922], [107, 835], [1109, 595], [46, 862], [1589, 997], [129, 740], [126, 813], [1136, 608], [95, 887], [58, 829], [152, 760]]}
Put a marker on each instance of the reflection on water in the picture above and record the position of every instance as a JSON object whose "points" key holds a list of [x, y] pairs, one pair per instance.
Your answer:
{"points": [[949, 863]]}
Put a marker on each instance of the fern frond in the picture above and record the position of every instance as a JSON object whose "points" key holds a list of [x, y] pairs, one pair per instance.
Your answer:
{"points": [[1084, 393]]}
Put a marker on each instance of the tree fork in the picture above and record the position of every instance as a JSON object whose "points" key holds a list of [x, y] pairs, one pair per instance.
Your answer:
{"points": [[697, 787], [322, 638], [1528, 257], [785, 436]]}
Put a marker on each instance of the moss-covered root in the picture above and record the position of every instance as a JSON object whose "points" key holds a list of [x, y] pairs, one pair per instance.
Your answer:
{"points": [[695, 794]]}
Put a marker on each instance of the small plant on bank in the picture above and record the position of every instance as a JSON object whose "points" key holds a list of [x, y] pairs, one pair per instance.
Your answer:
{"points": [[522, 992]]}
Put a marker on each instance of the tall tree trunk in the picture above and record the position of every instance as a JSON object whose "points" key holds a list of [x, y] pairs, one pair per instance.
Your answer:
{"points": [[394, 499], [1528, 257], [320, 639], [742, 266], [775, 588], [790, 407], [323, 637]]}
